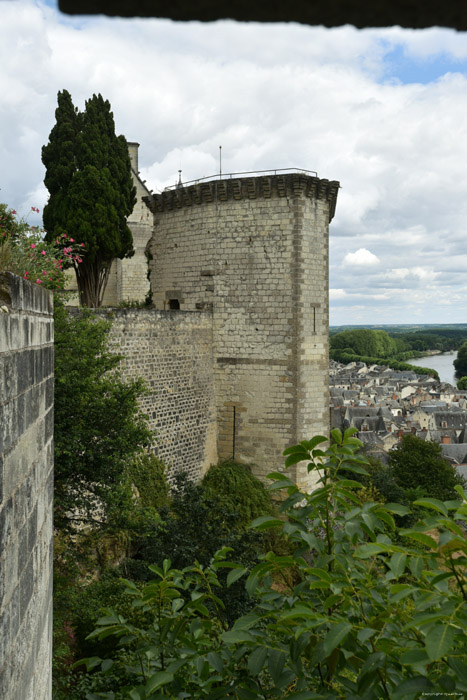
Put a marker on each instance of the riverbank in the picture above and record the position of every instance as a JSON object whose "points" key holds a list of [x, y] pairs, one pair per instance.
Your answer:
{"points": [[442, 362]]}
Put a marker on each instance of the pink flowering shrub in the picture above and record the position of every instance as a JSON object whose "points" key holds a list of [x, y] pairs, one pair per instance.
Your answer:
{"points": [[24, 252]]}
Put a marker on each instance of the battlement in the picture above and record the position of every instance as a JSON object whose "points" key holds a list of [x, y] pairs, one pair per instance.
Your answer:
{"points": [[228, 187]]}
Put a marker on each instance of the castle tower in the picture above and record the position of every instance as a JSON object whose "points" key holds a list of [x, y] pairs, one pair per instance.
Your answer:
{"points": [[130, 274], [255, 251]]}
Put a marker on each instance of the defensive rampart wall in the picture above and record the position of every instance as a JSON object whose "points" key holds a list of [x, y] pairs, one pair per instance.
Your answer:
{"points": [[26, 489], [172, 352]]}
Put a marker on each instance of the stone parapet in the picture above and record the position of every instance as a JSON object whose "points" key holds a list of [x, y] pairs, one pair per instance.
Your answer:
{"points": [[26, 489], [247, 188]]}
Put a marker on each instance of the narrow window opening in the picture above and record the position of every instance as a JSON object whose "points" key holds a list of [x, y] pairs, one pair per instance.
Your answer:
{"points": [[174, 304]]}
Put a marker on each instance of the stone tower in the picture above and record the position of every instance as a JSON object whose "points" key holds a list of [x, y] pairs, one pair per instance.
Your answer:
{"points": [[255, 251], [128, 279]]}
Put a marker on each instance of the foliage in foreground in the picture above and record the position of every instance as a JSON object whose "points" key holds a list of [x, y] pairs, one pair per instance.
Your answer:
{"points": [[98, 425], [155, 525], [377, 612]]}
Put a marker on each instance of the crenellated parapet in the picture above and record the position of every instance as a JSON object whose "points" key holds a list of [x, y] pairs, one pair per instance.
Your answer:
{"points": [[290, 185]]}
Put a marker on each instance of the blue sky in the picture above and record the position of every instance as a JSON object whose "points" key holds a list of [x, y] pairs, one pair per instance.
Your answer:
{"points": [[381, 110], [402, 66]]}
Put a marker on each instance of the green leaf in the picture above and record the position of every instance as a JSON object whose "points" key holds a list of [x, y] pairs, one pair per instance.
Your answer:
{"points": [[90, 662], [397, 508], [158, 680], [400, 591], [234, 575], [412, 686], [319, 573], [335, 636], [216, 661], [296, 458], [385, 517], [433, 504], [355, 468], [237, 637], [107, 664], [413, 657], [365, 634], [441, 577], [372, 664], [439, 640], [256, 660], [421, 537], [264, 522], [416, 566], [276, 663], [369, 550], [459, 666], [397, 564], [336, 436], [135, 695], [316, 440], [296, 449]]}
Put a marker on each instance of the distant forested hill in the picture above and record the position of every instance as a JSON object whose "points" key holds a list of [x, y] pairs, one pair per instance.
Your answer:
{"points": [[394, 345], [436, 329]]}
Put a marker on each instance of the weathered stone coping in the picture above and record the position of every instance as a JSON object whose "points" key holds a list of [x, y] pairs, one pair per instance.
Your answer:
{"points": [[291, 185]]}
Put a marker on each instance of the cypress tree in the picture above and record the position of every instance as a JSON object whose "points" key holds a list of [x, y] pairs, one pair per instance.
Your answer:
{"points": [[88, 175]]}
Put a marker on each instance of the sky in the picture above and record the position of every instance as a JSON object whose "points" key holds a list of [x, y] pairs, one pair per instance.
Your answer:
{"points": [[383, 111]]}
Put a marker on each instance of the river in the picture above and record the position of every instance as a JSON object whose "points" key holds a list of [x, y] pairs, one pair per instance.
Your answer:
{"points": [[441, 363]]}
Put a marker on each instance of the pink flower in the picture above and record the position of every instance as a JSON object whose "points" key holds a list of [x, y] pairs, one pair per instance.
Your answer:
{"points": [[82, 245], [38, 281], [42, 252], [44, 272], [64, 235], [72, 240], [13, 211], [33, 245]]}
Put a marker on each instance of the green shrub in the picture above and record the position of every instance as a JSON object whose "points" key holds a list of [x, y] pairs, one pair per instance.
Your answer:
{"points": [[148, 474], [234, 485], [369, 618]]}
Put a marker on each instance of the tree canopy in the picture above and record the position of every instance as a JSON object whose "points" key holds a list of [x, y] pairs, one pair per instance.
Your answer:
{"points": [[88, 175], [366, 342], [98, 426], [460, 363], [418, 464]]}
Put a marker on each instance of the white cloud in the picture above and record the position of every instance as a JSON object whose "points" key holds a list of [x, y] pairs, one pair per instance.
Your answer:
{"points": [[273, 96], [335, 294], [361, 257]]}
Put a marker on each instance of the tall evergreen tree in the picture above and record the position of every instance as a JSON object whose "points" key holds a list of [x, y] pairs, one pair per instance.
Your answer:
{"points": [[88, 175]]}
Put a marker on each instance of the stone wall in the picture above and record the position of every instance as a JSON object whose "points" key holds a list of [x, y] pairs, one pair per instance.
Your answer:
{"points": [[26, 489], [172, 352], [255, 251]]}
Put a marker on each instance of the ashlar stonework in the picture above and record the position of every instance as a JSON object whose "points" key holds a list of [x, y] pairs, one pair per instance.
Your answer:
{"points": [[254, 253]]}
